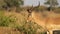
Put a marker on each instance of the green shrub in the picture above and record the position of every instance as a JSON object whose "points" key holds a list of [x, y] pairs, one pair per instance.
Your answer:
{"points": [[6, 21]]}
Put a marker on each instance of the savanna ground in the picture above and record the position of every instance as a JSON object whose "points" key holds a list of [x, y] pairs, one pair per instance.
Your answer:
{"points": [[16, 23]]}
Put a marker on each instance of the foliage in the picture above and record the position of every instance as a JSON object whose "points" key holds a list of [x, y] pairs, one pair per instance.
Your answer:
{"points": [[52, 3], [6, 20], [7, 4], [13, 2]]}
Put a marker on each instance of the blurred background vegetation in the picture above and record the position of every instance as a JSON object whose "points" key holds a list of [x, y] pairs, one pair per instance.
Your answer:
{"points": [[14, 15]]}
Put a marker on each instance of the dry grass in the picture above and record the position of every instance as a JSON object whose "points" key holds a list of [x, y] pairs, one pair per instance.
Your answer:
{"points": [[8, 30]]}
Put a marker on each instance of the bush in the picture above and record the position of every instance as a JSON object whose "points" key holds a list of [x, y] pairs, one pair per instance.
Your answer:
{"points": [[6, 21]]}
